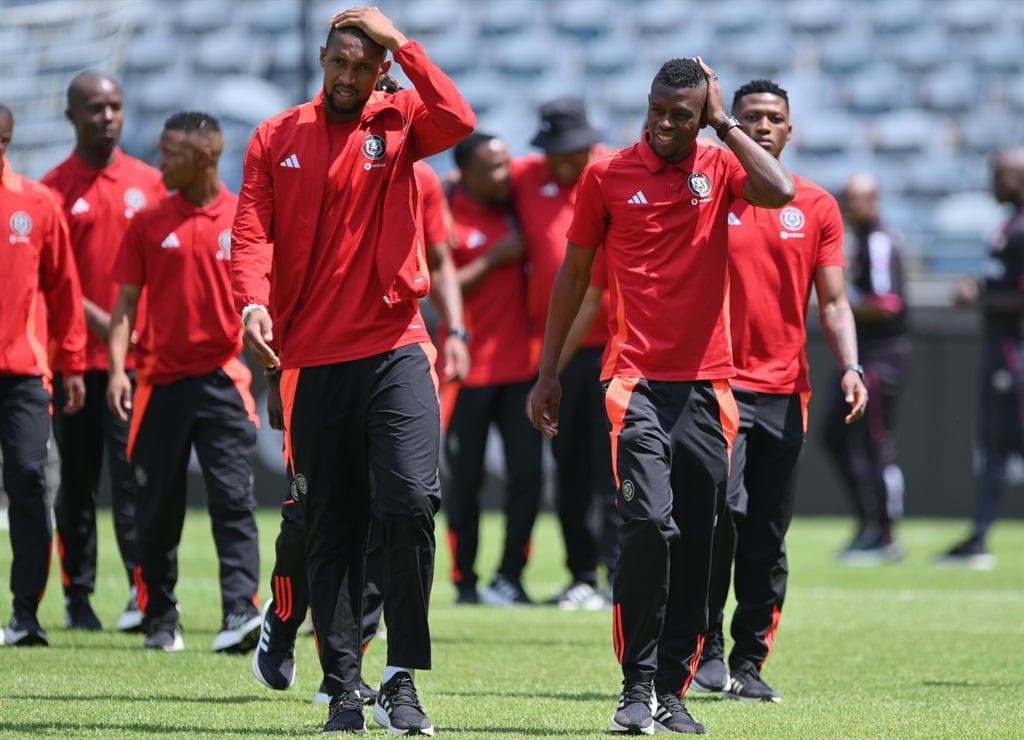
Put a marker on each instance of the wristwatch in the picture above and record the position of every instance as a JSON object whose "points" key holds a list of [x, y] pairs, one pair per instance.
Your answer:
{"points": [[460, 333], [857, 368], [726, 126]]}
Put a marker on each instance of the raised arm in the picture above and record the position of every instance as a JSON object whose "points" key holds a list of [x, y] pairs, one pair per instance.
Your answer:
{"points": [[769, 183]]}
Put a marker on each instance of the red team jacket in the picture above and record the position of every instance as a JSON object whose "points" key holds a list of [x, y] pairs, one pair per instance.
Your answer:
{"points": [[36, 262], [284, 179]]}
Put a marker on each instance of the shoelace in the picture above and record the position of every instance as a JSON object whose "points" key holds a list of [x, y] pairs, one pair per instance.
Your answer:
{"points": [[673, 705], [636, 693], [346, 701], [403, 693]]}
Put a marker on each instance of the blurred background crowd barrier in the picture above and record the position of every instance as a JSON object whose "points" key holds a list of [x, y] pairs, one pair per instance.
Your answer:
{"points": [[919, 92]]}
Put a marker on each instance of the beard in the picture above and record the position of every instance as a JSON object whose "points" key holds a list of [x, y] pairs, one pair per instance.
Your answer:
{"points": [[342, 109]]}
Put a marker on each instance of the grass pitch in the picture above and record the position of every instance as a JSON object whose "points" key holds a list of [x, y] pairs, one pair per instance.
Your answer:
{"points": [[900, 651]]}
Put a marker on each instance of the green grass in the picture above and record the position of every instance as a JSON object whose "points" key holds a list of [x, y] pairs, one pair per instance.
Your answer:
{"points": [[901, 651]]}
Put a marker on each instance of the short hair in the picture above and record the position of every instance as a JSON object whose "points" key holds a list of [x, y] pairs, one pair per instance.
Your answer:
{"points": [[8, 111], [464, 150], [759, 86], [192, 122], [680, 73], [355, 31]]}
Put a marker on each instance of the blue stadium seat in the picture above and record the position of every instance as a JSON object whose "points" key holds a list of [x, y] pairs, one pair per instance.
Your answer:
{"points": [[498, 19]]}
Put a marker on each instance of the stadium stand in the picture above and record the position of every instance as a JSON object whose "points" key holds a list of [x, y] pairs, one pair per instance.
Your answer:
{"points": [[919, 92]]}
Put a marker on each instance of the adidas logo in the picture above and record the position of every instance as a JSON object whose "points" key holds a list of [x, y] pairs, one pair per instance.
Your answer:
{"points": [[638, 199], [170, 241], [734, 220], [80, 206], [292, 161]]}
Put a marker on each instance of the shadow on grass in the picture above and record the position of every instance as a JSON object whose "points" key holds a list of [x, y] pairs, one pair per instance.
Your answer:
{"points": [[518, 731], [39, 728], [149, 698], [586, 696], [495, 640]]}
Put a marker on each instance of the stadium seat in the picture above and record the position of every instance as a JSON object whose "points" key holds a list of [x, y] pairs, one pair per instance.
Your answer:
{"points": [[759, 56], [878, 88], [433, 18], [908, 132], [814, 16], [231, 52], [201, 16], [925, 50], [828, 133], [974, 16], [583, 21], [499, 19]]}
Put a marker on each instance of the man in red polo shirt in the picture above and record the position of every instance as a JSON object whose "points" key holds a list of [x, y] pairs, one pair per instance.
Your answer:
{"points": [[488, 253], [328, 268], [660, 210], [36, 263], [193, 390], [775, 257], [543, 195], [101, 188]]}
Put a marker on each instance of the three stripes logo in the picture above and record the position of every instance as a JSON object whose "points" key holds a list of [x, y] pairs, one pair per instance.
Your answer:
{"points": [[292, 162], [638, 199], [170, 241]]}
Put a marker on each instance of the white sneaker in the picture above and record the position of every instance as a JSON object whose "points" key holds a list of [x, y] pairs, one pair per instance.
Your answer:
{"points": [[240, 634], [581, 597], [131, 619]]}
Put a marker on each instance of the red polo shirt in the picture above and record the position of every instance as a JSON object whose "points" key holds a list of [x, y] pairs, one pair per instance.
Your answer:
{"points": [[433, 209], [181, 254], [98, 206], [544, 207], [663, 227], [495, 310], [773, 258]]}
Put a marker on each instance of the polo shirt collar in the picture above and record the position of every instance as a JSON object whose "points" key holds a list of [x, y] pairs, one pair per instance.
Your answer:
{"points": [[656, 164], [84, 170]]}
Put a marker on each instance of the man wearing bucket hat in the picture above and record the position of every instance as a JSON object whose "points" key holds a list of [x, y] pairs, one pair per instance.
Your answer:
{"points": [[543, 194]]}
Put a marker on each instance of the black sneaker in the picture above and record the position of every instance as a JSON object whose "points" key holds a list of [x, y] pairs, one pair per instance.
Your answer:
{"points": [[132, 619], [746, 685], [24, 631], [671, 716], [467, 595], [164, 633], [346, 715], [635, 713], [504, 591], [872, 546], [274, 661], [970, 553], [711, 675], [78, 614], [240, 633], [398, 708], [366, 692]]}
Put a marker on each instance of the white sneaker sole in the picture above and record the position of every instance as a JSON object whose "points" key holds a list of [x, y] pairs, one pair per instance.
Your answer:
{"points": [[382, 719]]}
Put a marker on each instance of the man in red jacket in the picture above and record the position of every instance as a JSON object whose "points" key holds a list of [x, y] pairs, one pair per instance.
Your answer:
{"points": [[328, 265], [36, 263], [101, 188]]}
